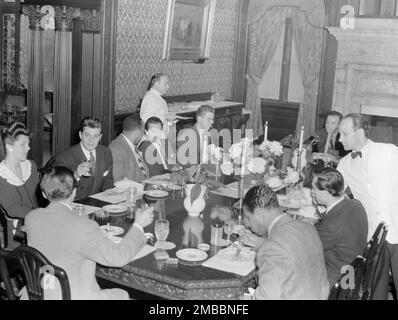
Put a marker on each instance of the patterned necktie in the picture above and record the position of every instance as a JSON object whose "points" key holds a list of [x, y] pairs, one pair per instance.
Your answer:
{"points": [[140, 163], [92, 161], [329, 145], [355, 154]]}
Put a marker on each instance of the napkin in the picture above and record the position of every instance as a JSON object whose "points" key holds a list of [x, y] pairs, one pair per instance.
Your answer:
{"points": [[144, 252], [242, 268], [108, 196]]}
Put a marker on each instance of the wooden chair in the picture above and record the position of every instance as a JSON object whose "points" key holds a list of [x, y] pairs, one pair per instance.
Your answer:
{"points": [[342, 291], [3, 227], [364, 267], [373, 251], [34, 265]]}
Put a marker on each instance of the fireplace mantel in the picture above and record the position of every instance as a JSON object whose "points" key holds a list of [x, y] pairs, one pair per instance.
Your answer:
{"points": [[366, 65]]}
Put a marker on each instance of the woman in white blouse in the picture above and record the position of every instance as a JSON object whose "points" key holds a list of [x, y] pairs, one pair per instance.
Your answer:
{"points": [[19, 178]]}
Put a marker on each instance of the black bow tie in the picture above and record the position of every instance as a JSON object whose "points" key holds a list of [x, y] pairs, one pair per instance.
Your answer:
{"points": [[355, 154]]}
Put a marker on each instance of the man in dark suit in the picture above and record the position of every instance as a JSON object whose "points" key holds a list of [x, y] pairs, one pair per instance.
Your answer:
{"points": [[91, 163], [343, 229], [127, 159], [154, 147], [328, 139], [193, 143]]}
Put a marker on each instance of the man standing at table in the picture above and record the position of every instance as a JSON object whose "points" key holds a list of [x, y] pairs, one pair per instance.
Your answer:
{"points": [[290, 259], [153, 104], [371, 173], [90, 161], [127, 160]]}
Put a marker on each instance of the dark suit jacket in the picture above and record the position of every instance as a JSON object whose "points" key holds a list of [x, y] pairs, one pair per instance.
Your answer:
{"points": [[103, 178], [320, 146], [152, 159], [343, 232], [124, 162]]}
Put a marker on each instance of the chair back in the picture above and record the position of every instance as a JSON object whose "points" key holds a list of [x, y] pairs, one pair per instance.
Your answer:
{"points": [[34, 266], [345, 288], [4, 229], [373, 251]]}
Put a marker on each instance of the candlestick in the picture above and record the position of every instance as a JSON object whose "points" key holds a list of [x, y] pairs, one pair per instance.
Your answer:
{"points": [[266, 131], [301, 138]]}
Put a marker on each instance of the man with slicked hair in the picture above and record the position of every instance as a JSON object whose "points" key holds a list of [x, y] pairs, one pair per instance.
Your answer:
{"points": [[290, 258]]}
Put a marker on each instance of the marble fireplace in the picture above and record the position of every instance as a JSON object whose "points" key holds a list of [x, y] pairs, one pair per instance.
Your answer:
{"points": [[366, 74]]}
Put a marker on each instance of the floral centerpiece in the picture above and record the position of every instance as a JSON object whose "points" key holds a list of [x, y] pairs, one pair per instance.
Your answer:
{"points": [[270, 151]]}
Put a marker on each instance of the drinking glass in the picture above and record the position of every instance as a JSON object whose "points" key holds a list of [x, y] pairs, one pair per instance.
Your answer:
{"points": [[161, 230], [228, 229], [102, 217]]}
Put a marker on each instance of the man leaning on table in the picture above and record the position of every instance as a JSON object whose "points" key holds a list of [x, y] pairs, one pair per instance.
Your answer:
{"points": [[90, 161], [371, 173], [289, 256], [76, 243]]}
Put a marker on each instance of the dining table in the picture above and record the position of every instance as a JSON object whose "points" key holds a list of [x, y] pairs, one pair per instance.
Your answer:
{"points": [[176, 279]]}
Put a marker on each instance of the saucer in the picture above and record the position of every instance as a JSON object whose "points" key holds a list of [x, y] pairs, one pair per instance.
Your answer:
{"points": [[112, 230], [165, 245], [192, 255], [157, 193]]}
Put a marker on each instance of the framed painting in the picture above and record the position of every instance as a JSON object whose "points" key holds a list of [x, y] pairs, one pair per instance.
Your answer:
{"points": [[188, 29]]}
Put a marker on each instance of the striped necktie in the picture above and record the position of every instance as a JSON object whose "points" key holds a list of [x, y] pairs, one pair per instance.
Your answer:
{"points": [[140, 163]]}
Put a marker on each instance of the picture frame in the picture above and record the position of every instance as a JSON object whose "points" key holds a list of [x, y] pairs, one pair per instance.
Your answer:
{"points": [[188, 29]]}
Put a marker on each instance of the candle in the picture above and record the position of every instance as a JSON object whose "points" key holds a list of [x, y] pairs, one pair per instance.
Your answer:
{"points": [[301, 138], [266, 131]]}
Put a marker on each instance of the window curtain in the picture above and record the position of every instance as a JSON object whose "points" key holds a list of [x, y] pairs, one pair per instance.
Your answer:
{"points": [[266, 19], [264, 35], [308, 41]]}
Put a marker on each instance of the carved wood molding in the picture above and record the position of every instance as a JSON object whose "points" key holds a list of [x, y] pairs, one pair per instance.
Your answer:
{"points": [[92, 20], [64, 18], [34, 15]]}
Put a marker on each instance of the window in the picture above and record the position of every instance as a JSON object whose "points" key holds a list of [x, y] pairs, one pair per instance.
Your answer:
{"points": [[283, 81]]}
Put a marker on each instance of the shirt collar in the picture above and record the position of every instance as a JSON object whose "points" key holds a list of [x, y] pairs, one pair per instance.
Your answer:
{"points": [[87, 153], [156, 92], [274, 222], [333, 205], [66, 205]]}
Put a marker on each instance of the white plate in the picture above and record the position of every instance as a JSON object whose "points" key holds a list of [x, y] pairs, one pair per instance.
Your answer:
{"points": [[112, 230], [230, 254], [126, 183], [165, 245], [157, 193], [191, 255]]}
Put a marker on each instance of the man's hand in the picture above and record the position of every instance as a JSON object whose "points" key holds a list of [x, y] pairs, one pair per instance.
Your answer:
{"points": [[144, 217], [83, 169], [250, 239]]}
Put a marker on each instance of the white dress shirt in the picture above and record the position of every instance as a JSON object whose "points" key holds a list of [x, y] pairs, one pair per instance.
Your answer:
{"points": [[87, 153], [153, 105], [373, 180]]}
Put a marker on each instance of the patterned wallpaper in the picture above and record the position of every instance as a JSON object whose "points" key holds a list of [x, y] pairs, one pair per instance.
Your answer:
{"points": [[140, 33]]}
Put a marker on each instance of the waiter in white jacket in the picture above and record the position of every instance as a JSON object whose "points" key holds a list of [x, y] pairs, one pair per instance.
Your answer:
{"points": [[371, 173], [153, 104]]}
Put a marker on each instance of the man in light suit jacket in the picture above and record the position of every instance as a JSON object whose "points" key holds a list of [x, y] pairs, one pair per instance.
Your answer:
{"points": [[343, 229], [127, 159], [76, 243], [90, 162], [371, 173], [290, 259]]}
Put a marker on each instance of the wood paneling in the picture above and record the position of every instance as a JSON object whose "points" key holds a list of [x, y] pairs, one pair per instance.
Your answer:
{"points": [[281, 117]]}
